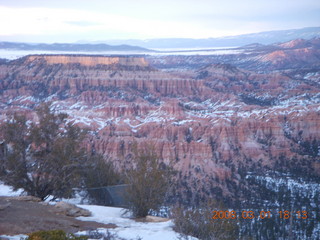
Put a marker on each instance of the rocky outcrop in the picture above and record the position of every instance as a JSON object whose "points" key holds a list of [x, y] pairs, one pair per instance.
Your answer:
{"points": [[23, 217], [24, 198], [71, 210], [156, 219], [292, 57]]}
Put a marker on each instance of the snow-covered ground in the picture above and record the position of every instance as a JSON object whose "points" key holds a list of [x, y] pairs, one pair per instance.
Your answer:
{"points": [[6, 190], [127, 228]]}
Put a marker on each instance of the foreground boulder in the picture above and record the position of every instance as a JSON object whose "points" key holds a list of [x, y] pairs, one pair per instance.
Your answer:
{"points": [[71, 210], [156, 219]]}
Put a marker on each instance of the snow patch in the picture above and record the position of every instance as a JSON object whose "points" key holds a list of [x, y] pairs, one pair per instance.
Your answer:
{"points": [[128, 228], [6, 190], [181, 122]]}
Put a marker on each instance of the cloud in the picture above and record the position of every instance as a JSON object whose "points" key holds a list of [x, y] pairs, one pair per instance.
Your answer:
{"points": [[33, 20], [83, 23], [45, 21], [100, 19]]}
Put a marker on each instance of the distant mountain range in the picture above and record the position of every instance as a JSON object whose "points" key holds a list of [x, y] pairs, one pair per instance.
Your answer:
{"points": [[70, 47], [145, 46], [230, 41]]}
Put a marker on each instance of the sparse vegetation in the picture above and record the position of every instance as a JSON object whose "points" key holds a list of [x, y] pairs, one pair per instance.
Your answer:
{"points": [[202, 75], [199, 222], [256, 100], [54, 235], [149, 181], [107, 236], [99, 175]]}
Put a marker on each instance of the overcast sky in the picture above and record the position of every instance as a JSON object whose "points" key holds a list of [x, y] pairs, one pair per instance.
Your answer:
{"points": [[98, 20]]}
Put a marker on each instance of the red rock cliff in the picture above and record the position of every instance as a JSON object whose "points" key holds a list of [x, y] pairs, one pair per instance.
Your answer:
{"points": [[89, 60]]}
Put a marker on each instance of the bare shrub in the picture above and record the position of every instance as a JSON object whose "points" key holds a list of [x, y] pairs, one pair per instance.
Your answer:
{"points": [[149, 181]]}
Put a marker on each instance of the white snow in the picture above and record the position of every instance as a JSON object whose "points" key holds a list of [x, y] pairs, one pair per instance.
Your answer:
{"points": [[102, 123], [84, 120], [305, 189], [127, 121], [128, 228], [16, 237], [6, 190], [78, 106], [181, 122]]}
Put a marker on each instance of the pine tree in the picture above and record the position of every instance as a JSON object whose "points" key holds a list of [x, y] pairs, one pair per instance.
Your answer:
{"points": [[44, 158]]}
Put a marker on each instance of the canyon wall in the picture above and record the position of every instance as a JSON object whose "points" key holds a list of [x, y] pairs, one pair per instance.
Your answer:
{"points": [[210, 122], [102, 73]]}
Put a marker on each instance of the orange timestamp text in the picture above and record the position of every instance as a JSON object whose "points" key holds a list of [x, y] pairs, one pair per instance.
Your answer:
{"points": [[247, 214]]}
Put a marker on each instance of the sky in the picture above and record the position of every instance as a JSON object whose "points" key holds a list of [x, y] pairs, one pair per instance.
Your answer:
{"points": [[98, 20]]}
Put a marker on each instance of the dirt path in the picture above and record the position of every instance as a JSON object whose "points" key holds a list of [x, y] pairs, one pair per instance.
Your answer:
{"points": [[23, 217]]}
